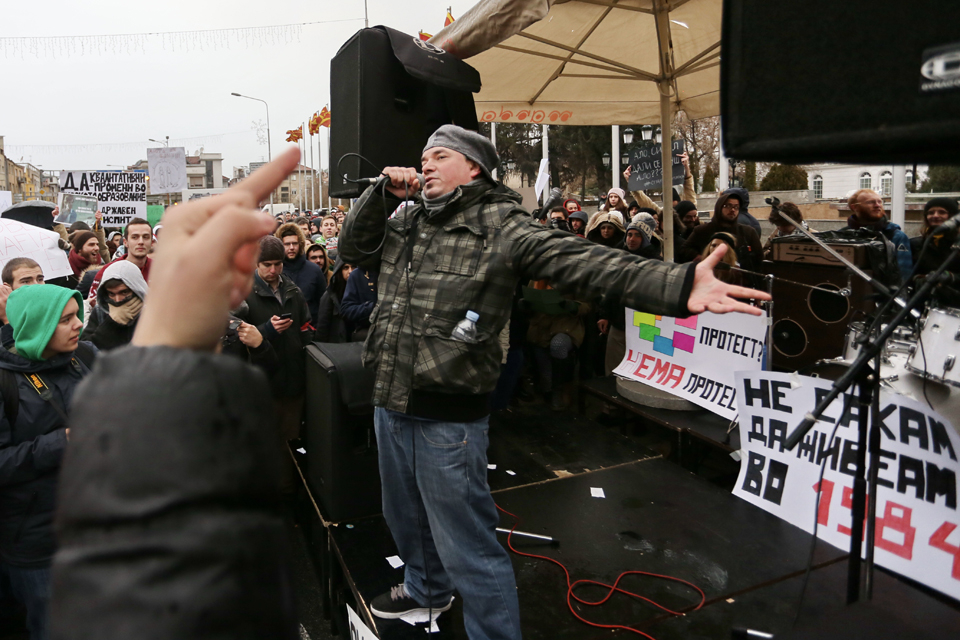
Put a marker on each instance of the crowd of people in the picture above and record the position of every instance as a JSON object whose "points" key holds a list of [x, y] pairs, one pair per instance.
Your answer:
{"points": [[548, 295]]}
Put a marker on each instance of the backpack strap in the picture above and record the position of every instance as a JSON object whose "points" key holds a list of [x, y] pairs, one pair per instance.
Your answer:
{"points": [[11, 395]]}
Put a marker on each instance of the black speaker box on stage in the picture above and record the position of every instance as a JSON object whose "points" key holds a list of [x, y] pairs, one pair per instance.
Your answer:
{"points": [[342, 469], [857, 81], [811, 325], [388, 93]]}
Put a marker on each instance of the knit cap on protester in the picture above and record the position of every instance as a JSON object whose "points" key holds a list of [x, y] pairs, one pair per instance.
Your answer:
{"points": [[947, 204], [470, 143], [34, 312]]}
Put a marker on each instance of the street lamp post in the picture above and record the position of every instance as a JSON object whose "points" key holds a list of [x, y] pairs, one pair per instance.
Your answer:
{"points": [[165, 143], [269, 152]]}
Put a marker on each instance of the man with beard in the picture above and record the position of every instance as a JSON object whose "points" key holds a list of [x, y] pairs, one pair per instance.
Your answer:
{"points": [[305, 274], [725, 213]]}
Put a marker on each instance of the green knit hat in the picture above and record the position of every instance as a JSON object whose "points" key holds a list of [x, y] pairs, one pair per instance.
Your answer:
{"points": [[34, 312]]}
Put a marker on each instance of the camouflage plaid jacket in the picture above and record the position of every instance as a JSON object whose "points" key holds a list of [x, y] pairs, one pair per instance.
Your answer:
{"points": [[435, 266]]}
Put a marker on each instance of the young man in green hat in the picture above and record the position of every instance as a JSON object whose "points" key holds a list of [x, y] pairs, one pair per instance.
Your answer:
{"points": [[46, 321]]}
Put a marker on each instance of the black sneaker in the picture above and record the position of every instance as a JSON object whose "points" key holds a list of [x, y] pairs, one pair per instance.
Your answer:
{"points": [[398, 603]]}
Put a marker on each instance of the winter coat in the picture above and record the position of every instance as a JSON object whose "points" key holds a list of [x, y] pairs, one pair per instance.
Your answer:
{"points": [[893, 233], [614, 218], [167, 517], [30, 454], [264, 304], [101, 329], [469, 255], [311, 280], [749, 248], [359, 297], [332, 326]]}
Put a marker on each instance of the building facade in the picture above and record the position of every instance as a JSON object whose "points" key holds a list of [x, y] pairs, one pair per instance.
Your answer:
{"points": [[838, 181]]}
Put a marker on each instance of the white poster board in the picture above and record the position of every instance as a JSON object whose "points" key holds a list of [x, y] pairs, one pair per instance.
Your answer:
{"points": [[918, 526], [694, 358], [122, 194], [358, 630], [167, 167], [6, 200], [19, 240]]}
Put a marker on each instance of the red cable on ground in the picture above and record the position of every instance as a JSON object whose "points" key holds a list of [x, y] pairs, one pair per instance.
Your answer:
{"points": [[612, 588]]}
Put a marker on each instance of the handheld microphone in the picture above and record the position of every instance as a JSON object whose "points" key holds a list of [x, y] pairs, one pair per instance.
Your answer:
{"points": [[950, 225], [369, 181]]}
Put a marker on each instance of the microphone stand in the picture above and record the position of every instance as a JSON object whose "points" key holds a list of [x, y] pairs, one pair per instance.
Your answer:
{"points": [[867, 378]]}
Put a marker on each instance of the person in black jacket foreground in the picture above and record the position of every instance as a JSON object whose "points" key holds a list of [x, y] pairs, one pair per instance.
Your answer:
{"points": [[279, 312], [332, 326], [119, 300], [167, 525], [46, 322]]}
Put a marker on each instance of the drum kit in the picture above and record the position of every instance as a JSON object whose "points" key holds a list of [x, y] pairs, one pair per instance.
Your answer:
{"points": [[918, 363]]}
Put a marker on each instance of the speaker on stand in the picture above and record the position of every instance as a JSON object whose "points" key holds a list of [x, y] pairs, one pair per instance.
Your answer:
{"points": [[389, 92]]}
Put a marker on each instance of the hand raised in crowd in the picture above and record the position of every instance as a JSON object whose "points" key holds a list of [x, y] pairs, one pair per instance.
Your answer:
{"points": [[400, 176], [249, 335], [55, 212], [205, 265], [627, 172], [279, 324], [685, 161], [5, 292], [710, 294]]}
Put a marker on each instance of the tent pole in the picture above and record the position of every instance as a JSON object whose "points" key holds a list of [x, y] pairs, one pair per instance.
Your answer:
{"points": [[615, 157], [546, 156], [666, 161], [493, 141]]}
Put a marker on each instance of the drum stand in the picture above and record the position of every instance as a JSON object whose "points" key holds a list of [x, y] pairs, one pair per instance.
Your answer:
{"points": [[865, 372]]}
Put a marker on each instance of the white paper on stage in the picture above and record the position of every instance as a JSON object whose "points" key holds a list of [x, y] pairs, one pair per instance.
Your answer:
{"points": [[358, 630], [167, 167], [694, 358], [918, 527], [19, 240]]}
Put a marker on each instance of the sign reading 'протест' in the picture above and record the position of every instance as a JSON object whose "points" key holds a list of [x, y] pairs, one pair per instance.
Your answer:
{"points": [[694, 358], [918, 526], [122, 194]]}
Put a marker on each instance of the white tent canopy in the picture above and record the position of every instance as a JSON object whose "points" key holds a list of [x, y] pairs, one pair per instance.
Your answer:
{"points": [[593, 62]]}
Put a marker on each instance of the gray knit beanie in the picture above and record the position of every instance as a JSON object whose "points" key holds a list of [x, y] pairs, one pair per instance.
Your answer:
{"points": [[470, 143]]}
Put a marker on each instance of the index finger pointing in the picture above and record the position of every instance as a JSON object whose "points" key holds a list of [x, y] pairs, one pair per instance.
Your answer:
{"points": [[268, 177]]}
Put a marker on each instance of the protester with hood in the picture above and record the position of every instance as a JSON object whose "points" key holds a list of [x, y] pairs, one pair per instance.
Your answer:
{"points": [[46, 355], [139, 240], [119, 301], [689, 216], [578, 222], [571, 205], [868, 213], [317, 254], [725, 214], [305, 274], [332, 326], [745, 217], [606, 228]]}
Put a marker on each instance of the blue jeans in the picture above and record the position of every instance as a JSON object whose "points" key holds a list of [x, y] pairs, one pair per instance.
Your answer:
{"points": [[31, 588], [438, 506]]}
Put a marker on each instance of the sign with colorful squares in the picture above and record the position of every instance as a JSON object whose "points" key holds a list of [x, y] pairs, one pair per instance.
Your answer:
{"points": [[694, 358]]}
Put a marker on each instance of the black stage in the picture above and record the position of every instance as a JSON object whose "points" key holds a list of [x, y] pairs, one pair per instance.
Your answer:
{"points": [[656, 517]]}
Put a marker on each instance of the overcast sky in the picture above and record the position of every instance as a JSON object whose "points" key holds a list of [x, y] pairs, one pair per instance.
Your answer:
{"points": [[89, 101]]}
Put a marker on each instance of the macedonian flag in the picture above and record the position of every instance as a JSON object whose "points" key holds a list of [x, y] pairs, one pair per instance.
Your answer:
{"points": [[294, 135], [449, 19], [313, 125], [324, 119], [424, 36]]}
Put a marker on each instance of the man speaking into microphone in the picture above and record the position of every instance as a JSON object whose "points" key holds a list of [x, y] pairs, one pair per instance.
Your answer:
{"points": [[462, 249]]}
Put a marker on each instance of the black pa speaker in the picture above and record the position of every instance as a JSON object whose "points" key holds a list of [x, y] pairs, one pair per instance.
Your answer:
{"points": [[342, 467], [856, 81], [388, 93], [811, 324]]}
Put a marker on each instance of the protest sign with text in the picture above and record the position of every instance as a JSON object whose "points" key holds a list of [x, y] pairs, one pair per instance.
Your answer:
{"points": [[122, 194], [645, 167], [168, 169], [19, 240], [917, 521], [694, 358], [77, 208]]}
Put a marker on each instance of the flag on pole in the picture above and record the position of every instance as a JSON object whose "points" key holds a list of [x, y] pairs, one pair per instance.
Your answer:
{"points": [[314, 124], [449, 19], [294, 135], [424, 36], [324, 119]]}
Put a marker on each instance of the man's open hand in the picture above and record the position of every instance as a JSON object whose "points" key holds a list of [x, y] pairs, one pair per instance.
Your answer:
{"points": [[204, 266], [716, 296]]}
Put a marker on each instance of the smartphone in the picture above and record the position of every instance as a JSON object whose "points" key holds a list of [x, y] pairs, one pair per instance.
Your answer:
{"points": [[286, 316]]}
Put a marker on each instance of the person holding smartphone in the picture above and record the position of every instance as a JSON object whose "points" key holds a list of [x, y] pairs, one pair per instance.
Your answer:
{"points": [[279, 311]]}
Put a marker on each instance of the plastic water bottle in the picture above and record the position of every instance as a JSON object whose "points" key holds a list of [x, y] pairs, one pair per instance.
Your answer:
{"points": [[466, 329]]}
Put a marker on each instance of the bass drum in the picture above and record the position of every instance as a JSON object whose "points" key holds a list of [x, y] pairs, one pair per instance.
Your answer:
{"points": [[895, 377], [935, 355]]}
